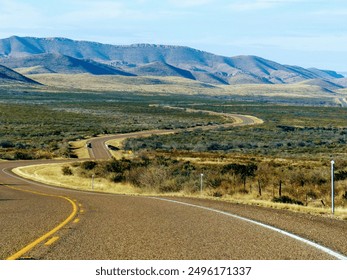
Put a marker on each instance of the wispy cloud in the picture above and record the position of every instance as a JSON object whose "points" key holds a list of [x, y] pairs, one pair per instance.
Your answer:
{"points": [[251, 5], [190, 3]]}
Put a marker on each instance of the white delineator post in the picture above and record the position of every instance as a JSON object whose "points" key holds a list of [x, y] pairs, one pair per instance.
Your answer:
{"points": [[93, 181], [201, 175], [332, 188]]}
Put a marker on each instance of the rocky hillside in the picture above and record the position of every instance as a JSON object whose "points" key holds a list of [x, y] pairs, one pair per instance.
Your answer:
{"points": [[58, 63], [60, 55]]}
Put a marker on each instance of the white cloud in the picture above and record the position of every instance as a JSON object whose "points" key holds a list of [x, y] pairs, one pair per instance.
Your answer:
{"points": [[250, 5], [189, 3]]}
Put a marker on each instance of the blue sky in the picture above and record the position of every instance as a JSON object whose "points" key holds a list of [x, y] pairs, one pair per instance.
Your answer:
{"points": [[309, 33]]}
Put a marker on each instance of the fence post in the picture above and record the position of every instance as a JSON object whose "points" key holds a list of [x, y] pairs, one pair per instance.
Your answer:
{"points": [[332, 188]]}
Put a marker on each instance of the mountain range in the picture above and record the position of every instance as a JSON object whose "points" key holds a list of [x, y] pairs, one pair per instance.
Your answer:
{"points": [[60, 55]]}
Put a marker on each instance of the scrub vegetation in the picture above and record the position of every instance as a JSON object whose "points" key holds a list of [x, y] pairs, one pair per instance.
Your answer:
{"points": [[302, 183], [287, 131], [285, 160], [40, 125]]}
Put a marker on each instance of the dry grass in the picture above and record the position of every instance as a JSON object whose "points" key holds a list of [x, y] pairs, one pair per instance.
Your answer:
{"points": [[174, 85], [102, 83], [284, 90], [80, 149], [340, 212], [52, 174], [121, 153]]}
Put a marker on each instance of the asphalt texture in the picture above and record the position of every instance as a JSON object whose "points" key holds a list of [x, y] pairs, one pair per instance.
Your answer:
{"points": [[108, 226]]}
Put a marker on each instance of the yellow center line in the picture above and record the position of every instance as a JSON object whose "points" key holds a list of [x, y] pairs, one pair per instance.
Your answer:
{"points": [[31, 245], [76, 221], [52, 240]]}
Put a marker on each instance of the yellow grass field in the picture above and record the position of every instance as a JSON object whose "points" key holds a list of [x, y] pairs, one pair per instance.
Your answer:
{"points": [[52, 174], [80, 149], [173, 85]]}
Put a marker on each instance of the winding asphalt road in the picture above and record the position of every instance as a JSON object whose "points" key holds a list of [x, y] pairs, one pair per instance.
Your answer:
{"points": [[44, 222], [98, 150]]}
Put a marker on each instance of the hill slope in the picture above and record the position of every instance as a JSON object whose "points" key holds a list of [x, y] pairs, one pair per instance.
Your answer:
{"points": [[9, 76], [154, 60], [57, 63]]}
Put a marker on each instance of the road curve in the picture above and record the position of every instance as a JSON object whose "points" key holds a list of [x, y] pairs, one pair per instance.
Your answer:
{"points": [[105, 226], [98, 150]]}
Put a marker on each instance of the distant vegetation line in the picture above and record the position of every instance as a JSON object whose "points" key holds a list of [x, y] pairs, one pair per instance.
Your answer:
{"points": [[288, 131], [286, 159], [40, 125]]}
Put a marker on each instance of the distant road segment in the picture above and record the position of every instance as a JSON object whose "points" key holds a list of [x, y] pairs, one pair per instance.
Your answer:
{"points": [[44, 222], [98, 150]]}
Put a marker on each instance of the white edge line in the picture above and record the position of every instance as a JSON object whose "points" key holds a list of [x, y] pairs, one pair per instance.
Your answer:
{"points": [[291, 235], [8, 171]]}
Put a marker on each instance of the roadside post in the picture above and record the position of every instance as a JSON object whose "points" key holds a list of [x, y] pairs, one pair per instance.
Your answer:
{"points": [[201, 181], [93, 181], [332, 188]]}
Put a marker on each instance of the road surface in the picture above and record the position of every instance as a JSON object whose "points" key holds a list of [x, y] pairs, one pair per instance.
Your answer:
{"points": [[98, 150], [44, 222]]}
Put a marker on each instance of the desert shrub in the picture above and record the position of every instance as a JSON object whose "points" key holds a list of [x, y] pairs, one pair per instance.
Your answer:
{"points": [[287, 199], [43, 155], [170, 185], [151, 177], [119, 166], [340, 175], [6, 144], [215, 182], [21, 155], [88, 165], [66, 152], [117, 177], [67, 171], [243, 191], [217, 194], [311, 194], [133, 176]]}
